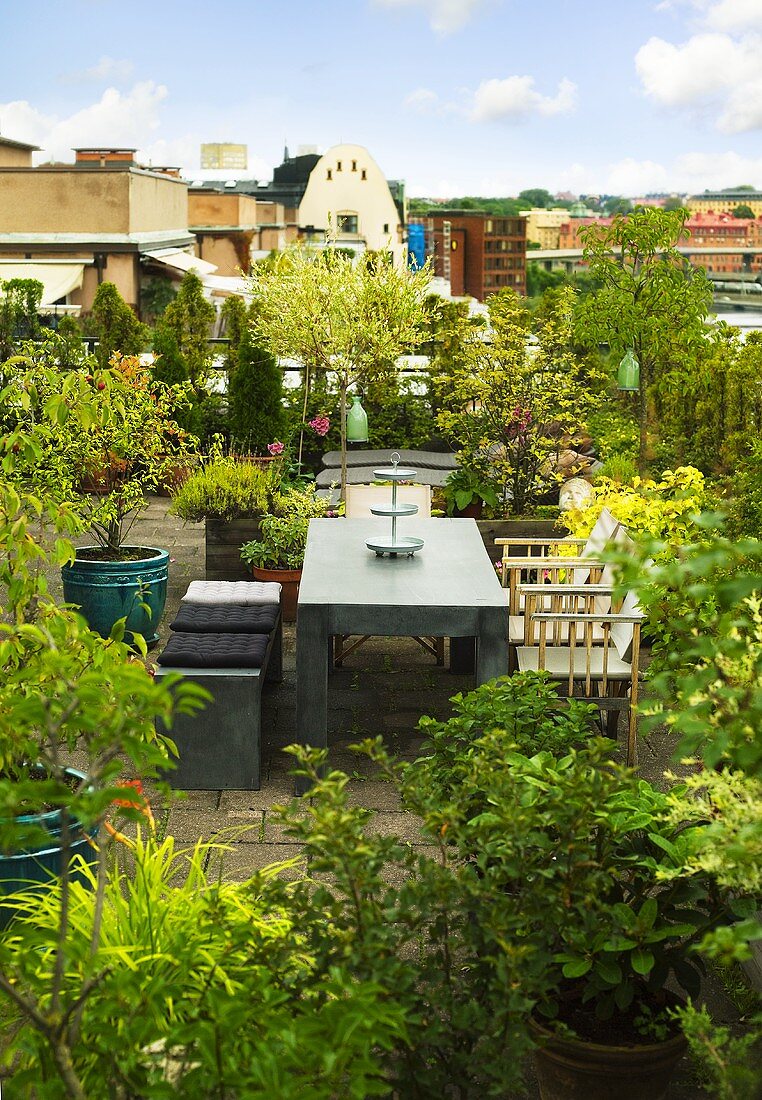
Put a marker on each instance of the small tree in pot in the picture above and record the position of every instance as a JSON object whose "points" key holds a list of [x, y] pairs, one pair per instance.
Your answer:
{"points": [[334, 314], [117, 426]]}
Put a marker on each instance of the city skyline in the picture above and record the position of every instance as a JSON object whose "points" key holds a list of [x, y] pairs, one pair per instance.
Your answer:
{"points": [[481, 97]]}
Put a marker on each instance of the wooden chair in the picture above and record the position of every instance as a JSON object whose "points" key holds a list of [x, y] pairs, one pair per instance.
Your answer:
{"points": [[595, 655], [358, 503]]}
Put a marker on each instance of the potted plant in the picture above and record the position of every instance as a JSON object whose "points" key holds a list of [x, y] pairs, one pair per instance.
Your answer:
{"points": [[278, 553], [230, 496], [465, 492], [61, 690], [115, 424], [596, 878]]}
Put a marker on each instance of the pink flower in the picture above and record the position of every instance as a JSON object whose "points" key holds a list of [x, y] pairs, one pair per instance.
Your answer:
{"points": [[276, 448], [320, 425]]}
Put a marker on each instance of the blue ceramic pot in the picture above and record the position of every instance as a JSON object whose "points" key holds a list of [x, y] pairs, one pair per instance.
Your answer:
{"points": [[109, 590], [36, 866]]}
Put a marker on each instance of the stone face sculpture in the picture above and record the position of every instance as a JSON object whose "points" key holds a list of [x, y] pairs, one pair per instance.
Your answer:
{"points": [[575, 493]]}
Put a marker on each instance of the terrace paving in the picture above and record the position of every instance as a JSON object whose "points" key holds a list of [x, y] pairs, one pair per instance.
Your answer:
{"points": [[384, 688]]}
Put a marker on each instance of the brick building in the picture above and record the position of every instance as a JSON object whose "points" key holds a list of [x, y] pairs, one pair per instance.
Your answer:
{"points": [[479, 253]]}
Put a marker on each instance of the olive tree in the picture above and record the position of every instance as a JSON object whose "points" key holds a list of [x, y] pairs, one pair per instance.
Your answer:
{"points": [[335, 314]]}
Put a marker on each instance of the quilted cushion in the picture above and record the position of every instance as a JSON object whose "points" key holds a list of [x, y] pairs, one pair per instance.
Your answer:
{"points": [[214, 651], [228, 618], [245, 592]]}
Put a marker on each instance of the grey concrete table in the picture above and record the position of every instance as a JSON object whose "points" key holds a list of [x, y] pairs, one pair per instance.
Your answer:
{"points": [[448, 589]]}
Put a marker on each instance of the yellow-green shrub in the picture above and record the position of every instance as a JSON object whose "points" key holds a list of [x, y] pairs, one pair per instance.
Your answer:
{"points": [[664, 509]]}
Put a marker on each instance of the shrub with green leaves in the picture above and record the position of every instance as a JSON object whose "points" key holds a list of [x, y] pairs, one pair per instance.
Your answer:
{"points": [[226, 489]]}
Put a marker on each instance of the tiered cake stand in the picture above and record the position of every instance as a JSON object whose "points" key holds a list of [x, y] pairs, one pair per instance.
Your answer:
{"points": [[403, 544]]}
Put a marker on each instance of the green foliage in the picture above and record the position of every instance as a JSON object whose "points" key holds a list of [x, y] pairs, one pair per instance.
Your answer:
{"points": [[745, 503], [114, 426], [283, 538], [63, 689], [235, 320], [115, 325], [169, 366], [649, 300], [195, 988], [72, 351], [536, 197], [704, 599], [19, 305], [155, 295], [519, 399], [743, 210], [255, 389], [335, 315], [189, 317], [226, 489], [614, 428], [596, 883], [710, 408], [665, 509], [731, 1063], [617, 204], [466, 486]]}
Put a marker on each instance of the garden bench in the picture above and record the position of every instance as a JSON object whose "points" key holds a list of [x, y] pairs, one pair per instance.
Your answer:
{"points": [[227, 637]]}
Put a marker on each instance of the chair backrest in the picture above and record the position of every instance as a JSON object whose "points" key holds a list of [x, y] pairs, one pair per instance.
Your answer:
{"points": [[606, 528], [360, 499]]}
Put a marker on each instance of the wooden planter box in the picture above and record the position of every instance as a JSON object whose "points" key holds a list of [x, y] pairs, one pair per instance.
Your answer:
{"points": [[491, 529], [224, 539]]}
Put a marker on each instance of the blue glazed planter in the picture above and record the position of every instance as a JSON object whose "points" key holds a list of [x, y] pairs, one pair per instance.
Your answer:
{"points": [[110, 590], [36, 867]]}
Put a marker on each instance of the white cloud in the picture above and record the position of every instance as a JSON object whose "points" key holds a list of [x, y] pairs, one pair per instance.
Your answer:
{"points": [[106, 69], [116, 119], [515, 99], [445, 16], [422, 101], [720, 15], [701, 171], [715, 71], [635, 177]]}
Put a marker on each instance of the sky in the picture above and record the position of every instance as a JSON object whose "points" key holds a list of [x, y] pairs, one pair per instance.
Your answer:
{"points": [[456, 97]]}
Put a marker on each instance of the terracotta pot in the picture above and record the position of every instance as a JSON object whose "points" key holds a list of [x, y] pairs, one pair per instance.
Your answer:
{"points": [[289, 579], [574, 1069], [471, 511]]}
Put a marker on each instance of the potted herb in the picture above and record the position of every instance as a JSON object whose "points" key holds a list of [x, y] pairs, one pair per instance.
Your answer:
{"points": [[278, 553], [115, 425]]}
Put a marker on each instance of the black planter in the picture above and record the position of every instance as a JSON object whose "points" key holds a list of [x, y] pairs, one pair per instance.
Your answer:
{"points": [[224, 539]]}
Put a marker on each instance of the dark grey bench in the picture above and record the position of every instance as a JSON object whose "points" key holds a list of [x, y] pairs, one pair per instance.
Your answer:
{"points": [[219, 747]]}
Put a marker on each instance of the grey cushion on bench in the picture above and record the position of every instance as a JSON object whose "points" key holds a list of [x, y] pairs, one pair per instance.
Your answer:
{"points": [[207, 651], [427, 460], [231, 618], [240, 592]]}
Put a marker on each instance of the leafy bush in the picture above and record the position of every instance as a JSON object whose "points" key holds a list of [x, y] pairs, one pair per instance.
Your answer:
{"points": [[226, 489], [283, 537], [664, 509], [745, 495]]}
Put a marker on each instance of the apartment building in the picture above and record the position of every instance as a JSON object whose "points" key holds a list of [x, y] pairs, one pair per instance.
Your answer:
{"points": [[103, 218], [478, 253]]}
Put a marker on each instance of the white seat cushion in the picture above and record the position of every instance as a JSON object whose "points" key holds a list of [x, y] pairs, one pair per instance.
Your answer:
{"points": [[516, 632], [243, 592], [557, 662]]}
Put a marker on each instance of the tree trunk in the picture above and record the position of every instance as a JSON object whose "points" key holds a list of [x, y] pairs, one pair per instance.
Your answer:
{"points": [[343, 415]]}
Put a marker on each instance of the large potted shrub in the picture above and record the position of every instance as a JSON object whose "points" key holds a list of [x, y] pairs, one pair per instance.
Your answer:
{"points": [[230, 497], [597, 875], [117, 425]]}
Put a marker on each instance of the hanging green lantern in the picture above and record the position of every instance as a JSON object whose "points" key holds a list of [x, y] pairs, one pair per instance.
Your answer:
{"points": [[357, 422], [628, 375]]}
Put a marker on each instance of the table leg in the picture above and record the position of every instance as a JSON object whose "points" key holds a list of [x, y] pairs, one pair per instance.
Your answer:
{"points": [[492, 644], [311, 680], [462, 655]]}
